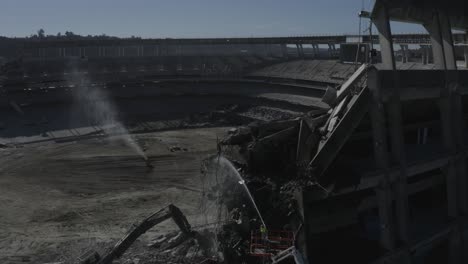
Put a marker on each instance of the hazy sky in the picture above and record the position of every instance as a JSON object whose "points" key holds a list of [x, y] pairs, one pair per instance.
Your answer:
{"points": [[185, 18]]}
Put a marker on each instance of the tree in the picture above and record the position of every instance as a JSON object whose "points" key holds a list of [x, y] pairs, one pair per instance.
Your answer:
{"points": [[41, 33], [69, 34]]}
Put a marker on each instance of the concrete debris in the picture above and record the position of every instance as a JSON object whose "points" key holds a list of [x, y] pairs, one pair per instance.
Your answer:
{"points": [[157, 242], [177, 148], [330, 95]]}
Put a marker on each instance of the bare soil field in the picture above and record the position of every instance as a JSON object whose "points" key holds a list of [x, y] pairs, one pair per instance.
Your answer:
{"points": [[58, 200]]}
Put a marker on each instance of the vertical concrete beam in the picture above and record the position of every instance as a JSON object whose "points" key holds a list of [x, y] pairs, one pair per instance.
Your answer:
{"points": [[447, 41], [433, 29], [316, 49], [450, 108], [423, 54], [331, 49], [384, 198], [298, 50], [404, 53], [429, 57], [382, 23], [465, 49], [399, 156], [284, 50]]}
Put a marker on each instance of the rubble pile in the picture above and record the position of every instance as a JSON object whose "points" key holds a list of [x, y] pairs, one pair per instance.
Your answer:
{"points": [[250, 187], [275, 160]]}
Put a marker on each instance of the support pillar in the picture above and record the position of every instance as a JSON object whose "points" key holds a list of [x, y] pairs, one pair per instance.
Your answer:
{"points": [[436, 40], [316, 50], [284, 50], [465, 49], [447, 41], [298, 50], [404, 53], [423, 54], [383, 193], [331, 49], [452, 131], [395, 130]]}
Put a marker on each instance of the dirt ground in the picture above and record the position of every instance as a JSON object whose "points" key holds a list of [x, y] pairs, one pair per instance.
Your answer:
{"points": [[59, 199]]}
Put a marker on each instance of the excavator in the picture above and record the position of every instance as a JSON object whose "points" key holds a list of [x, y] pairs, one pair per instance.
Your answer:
{"points": [[171, 211]]}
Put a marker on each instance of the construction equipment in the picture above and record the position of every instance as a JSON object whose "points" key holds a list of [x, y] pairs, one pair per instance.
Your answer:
{"points": [[289, 252], [270, 243], [171, 211]]}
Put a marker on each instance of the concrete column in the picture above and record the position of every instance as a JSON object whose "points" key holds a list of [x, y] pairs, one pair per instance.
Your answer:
{"points": [[466, 55], [331, 49], [316, 50], [383, 193], [385, 38], [387, 237], [433, 29], [452, 130], [404, 53], [298, 50], [424, 54], [284, 50], [447, 41], [395, 129]]}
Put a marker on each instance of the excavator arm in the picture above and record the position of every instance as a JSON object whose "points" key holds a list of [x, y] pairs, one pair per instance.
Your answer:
{"points": [[137, 230]]}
